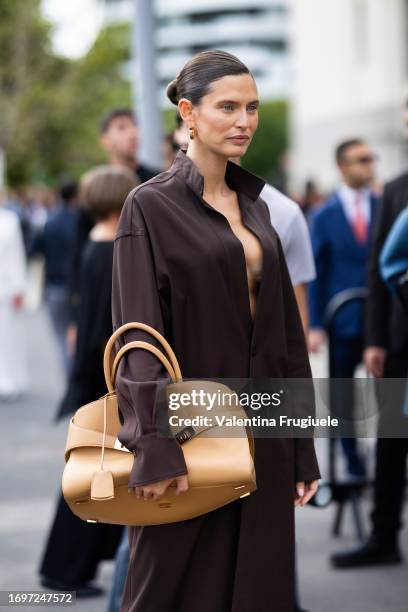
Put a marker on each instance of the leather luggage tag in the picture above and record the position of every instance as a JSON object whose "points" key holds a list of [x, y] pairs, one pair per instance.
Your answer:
{"points": [[102, 486]]}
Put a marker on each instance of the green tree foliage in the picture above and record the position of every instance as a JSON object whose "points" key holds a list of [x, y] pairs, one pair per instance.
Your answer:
{"points": [[26, 64], [50, 107], [93, 86], [270, 140]]}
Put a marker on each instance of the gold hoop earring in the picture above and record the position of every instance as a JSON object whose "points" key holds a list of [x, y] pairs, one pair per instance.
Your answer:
{"points": [[191, 133]]}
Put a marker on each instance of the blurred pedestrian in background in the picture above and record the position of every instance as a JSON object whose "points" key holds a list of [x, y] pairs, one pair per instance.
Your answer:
{"points": [[288, 220], [394, 268], [341, 238], [119, 137], [394, 258], [55, 243], [101, 193], [311, 199], [75, 548], [175, 140], [13, 365], [37, 201], [169, 149], [385, 356], [180, 134]]}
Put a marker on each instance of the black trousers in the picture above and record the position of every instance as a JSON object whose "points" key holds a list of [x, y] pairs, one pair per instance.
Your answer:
{"points": [[75, 547], [344, 357], [391, 459]]}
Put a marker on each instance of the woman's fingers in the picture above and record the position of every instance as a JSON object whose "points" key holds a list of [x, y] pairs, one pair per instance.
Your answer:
{"points": [[182, 484], [300, 489], [137, 491], [304, 492], [310, 491], [156, 490], [299, 492]]}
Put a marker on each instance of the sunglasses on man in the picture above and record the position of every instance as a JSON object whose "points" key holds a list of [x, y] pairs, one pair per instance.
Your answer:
{"points": [[363, 159]]}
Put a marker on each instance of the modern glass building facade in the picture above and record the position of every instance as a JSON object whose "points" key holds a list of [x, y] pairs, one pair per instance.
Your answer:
{"points": [[257, 31]]}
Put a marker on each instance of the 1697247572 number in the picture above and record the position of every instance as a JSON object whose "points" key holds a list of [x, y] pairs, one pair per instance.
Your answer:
{"points": [[39, 598]]}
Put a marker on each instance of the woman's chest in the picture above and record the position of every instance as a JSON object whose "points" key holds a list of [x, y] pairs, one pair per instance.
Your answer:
{"points": [[200, 239], [252, 249]]}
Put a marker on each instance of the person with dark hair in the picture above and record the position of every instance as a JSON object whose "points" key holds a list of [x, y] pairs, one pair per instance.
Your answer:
{"points": [[385, 357], [180, 134], [311, 198], [103, 191], [175, 140], [198, 239], [343, 150], [341, 238], [170, 149], [74, 547], [68, 190], [119, 137], [55, 243], [115, 113]]}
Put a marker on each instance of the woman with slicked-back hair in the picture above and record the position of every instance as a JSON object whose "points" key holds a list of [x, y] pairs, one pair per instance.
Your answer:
{"points": [[196, 258]]}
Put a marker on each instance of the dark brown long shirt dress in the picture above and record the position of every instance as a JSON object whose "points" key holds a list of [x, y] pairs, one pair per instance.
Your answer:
{"points": [[179, 268]]}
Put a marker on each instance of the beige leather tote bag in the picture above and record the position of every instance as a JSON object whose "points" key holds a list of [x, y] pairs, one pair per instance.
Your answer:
{"points": [[220, 461]]}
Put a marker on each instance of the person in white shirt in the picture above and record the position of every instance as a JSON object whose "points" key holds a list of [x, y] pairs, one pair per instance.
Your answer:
{"points": [[290, 224], [13, 367]]}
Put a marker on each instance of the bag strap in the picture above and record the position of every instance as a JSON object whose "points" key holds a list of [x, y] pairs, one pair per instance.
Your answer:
{"points": [[142, 345], [107, 358]]}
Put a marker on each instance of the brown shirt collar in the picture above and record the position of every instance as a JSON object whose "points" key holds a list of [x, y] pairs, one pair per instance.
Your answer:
{"points": [[239, 179]]}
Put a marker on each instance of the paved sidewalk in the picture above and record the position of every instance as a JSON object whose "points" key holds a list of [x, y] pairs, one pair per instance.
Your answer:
{"points": [[31, 459]]}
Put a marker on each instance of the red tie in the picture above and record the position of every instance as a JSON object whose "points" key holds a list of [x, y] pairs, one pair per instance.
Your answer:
{"points": [[359, 221]]}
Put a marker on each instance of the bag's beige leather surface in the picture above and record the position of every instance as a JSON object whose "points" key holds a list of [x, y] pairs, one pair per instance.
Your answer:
{"points": [[219, 459]]}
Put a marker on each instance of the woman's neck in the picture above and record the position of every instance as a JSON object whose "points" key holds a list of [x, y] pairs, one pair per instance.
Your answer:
{"points": [[105, 230], [212, 167]]}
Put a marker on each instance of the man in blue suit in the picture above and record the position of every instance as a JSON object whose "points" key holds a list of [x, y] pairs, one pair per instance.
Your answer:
{"points": [[341, 237]]}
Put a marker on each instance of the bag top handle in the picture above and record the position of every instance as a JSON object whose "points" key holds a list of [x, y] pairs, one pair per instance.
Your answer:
{"points": [[142, 345], [174, 365]]}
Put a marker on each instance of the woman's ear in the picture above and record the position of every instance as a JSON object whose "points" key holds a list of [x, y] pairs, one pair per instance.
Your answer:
{"points": [[185, 109]]}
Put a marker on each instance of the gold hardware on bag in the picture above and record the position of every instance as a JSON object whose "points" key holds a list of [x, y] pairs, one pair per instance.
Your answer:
{"points": [[244, 495], [91, 521], [240, 487], [185, 434]]}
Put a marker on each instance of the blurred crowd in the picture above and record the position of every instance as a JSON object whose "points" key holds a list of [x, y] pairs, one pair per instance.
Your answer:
{"points": [[347, 255]]}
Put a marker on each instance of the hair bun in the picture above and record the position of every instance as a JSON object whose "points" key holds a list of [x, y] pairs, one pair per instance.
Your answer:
{"points": [[172, 92]]}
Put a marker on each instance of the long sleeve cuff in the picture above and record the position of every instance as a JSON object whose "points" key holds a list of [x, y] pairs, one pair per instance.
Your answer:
{"points": [[306, 466], [156, 458]]}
